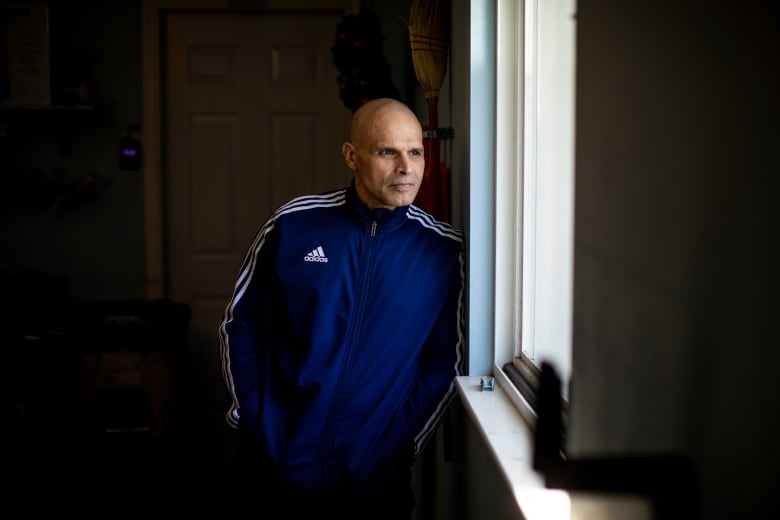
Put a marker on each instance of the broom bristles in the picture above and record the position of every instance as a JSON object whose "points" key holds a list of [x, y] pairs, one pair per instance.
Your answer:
{"points": [[429, 40]]}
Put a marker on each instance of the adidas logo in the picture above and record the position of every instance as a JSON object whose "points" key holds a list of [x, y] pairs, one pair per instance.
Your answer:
{"points": [[316, 255]]}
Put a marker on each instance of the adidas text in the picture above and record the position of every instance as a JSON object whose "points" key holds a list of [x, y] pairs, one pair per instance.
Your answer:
{"points": [[317, 255]]}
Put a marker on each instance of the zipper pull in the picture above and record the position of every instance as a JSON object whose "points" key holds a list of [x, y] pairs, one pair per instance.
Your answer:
{"points": [[373, 228]]}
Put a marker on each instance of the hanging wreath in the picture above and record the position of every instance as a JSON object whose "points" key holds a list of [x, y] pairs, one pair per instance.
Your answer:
{"points": [[364, 72]]}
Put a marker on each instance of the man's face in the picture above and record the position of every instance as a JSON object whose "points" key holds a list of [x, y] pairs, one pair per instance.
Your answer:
{"points": [[387, 158]]}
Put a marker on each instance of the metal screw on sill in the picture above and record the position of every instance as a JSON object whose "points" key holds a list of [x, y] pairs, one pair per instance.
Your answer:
{"points": [[486, 383]]}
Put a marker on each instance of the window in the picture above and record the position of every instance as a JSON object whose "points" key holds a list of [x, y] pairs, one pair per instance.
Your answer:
{"points": [[534, 192], [519, 225]]}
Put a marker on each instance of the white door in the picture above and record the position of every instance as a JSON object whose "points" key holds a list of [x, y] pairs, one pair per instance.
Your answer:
{"points": [[253, 117]]}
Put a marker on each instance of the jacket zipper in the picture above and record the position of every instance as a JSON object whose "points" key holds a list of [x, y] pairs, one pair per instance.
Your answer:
{"points": [[347, 362]]}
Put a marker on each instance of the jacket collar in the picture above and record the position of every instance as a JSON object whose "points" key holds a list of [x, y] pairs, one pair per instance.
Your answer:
{"points": [[385, 218]]}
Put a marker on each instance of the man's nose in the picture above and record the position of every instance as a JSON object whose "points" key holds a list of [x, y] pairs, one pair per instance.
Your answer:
{"points": [[404, 164]]}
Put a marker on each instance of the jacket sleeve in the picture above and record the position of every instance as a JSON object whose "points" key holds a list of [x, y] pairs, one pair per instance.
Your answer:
{"points": [[244, 330], [443, 360]]}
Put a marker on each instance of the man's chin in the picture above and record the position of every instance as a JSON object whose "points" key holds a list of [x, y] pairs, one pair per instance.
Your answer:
{"points": [[405, 201], [404, 198]]}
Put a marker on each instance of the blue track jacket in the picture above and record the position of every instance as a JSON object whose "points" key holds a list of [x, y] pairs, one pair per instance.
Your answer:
{"points": [[342, 338]]}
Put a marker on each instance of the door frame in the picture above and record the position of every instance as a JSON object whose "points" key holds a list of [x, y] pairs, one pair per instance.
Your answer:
{"points": [[152, 95]]}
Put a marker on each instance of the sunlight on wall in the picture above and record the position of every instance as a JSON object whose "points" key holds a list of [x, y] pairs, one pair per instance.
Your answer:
{"points": [[543, 504]]}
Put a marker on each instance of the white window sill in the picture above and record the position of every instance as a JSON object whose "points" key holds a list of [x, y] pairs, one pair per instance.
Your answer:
{"points": [[509, 438]]}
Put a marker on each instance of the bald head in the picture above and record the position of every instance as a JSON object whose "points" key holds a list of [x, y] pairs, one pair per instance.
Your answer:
{"points": [[377, 113], [385, 151]]}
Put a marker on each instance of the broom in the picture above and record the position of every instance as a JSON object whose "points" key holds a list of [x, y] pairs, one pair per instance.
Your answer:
{"points": [[429, 22]]}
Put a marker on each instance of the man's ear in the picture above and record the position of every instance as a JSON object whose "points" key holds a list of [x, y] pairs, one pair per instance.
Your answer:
{"points": [[349, 152]]}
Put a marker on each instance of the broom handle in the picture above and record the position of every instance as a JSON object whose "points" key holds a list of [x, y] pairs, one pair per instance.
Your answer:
{"points": [[433, 162], [433, 126]]}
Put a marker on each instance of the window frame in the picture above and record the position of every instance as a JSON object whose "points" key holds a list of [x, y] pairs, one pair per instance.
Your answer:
{"points": [[517, 352]]}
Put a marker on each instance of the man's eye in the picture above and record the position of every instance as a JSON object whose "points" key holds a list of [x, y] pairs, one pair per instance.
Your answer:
{"points": [[385, 152], [416, 153]]}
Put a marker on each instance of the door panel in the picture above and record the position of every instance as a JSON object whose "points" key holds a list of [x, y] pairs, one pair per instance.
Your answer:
{"points": [[253, 118]]}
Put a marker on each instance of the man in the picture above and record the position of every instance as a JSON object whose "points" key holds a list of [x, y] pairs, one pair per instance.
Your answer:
{"points": [[344, 333]]}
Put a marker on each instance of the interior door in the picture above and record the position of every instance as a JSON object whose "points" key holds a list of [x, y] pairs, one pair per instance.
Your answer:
{"points": [[253, 117]]}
